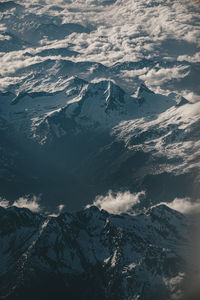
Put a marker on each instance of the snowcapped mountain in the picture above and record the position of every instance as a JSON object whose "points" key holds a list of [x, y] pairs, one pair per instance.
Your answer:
{"points": [[109, 256], [100, 105], [99, 108], [79, 129]]}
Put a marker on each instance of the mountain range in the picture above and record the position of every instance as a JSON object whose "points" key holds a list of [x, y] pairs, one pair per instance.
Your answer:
{"points": [[106, 256], [99, 150], [91, 133]]}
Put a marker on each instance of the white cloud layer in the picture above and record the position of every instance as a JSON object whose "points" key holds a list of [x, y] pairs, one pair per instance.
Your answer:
{"points": [[125, 31], [118, 203]]}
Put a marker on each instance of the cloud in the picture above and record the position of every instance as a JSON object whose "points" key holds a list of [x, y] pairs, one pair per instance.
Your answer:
{"points": [[125, 31], [118, 203], [184, 205], [4, 203], [133, 73], [157, 77], [59, 211], [61, 207], [138, 36], [126, 202], [193, 59], [31, 203]]}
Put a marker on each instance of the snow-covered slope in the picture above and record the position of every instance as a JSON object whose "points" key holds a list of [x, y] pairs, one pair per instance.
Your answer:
{"points": [[124, 257], [173, 133], [89, 105]]}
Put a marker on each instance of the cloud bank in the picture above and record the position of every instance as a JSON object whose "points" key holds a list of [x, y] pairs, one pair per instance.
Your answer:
{"points": [[108, 32], [126, 30]]}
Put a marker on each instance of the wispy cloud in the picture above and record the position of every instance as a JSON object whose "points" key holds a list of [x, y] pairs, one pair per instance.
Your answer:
{"points": [[158, 77], [131, 203], [121, 202], [184, 205], [58, 211], [4, 203], [31, 203]]}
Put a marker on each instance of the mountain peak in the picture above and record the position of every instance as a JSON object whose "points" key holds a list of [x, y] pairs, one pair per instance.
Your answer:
{"points": [[115, 96], [143, 89], [180, 100], [96, 99]]}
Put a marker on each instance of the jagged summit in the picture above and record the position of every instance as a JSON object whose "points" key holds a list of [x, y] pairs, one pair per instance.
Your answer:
{"points": [[115, 96], [96, 105], [108, 94]]}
